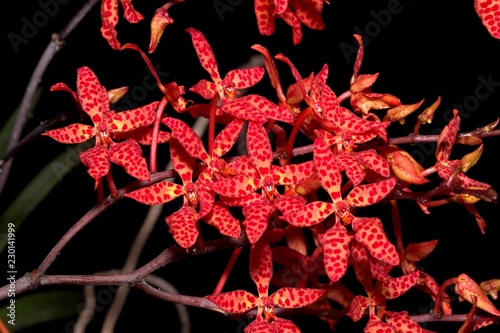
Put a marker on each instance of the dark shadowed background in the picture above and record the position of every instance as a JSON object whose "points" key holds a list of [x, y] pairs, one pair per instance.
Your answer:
{"points": [[420, 49]]}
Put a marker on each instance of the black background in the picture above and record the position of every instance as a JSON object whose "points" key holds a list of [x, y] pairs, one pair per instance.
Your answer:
{"points": [[422, 51]]}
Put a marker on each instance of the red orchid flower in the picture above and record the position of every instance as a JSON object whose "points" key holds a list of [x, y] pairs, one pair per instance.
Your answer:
{"points": [[330, 178], [293, 12], [94, 100], [234, 80], [263, 175], [261, 270]]}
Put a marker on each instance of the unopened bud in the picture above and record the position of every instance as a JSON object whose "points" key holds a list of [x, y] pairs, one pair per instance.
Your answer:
{"points": [[399, 112], [158, 23], [490, 127], [491, 287], [469, 140], [426, 116], [115, 94], [405, 167], [469, 160], [363, 82]]}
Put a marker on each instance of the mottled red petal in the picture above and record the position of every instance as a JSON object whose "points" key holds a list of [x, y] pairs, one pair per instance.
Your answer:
{"points": [[183, 225], [157, 193], [352, 168], [402, 323], [227, 138], [261, 266], [205, 54], [447, 138], [109, 17], [128, 154], [205, 89], [256, 220], [395, 287], [318, 84], [236, 187], [292, 174], [243, 78], [336, 251], [358, 307], [187, 138], [377, 326], [292, 298], [269, 109], [74, 133], [241, 109], [285, 326], [259, 148], [328, 170], [368, 194], [130, 14], [375, 162], [289, 204], [90, 94], [221, 218], [293, 21], [183, 163], [309, 12], [133, 119], [264, 10], [312, 214], [489, 12], [97, 161], [280, 6], [238, 301], [370, 233]]}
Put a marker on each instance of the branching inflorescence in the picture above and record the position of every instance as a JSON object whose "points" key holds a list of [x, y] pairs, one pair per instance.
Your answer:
{"points": [[270, 200]]}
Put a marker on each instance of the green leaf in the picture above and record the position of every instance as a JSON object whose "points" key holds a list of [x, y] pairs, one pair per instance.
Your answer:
{"points": [[9, 124], [40, 308], [39, 187]]}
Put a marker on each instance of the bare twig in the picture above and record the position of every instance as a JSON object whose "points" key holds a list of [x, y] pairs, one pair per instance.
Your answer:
{"points": [[88, 310], [37, 278], [182, 311], [52, 48]]}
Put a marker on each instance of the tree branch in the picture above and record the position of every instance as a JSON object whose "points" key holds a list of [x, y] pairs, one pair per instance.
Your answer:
{"points": [[57, 41]]}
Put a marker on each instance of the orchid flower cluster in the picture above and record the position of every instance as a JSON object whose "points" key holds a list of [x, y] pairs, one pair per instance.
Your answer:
{"points": [[279, 197]]}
